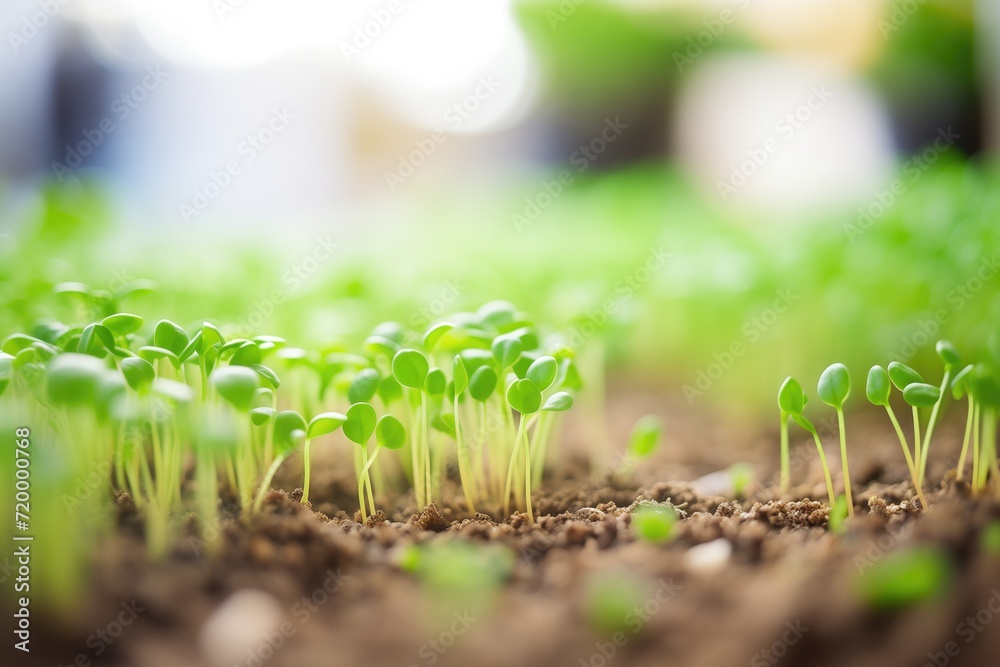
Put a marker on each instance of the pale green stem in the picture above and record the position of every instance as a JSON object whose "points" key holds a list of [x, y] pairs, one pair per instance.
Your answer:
{"points": [[786, 476], [965, 441], [510, 468], [265, 485], [906, 452], [975, 450], [930, 425], [826, 470], [843, 460], [305, 472], [468, 482]]}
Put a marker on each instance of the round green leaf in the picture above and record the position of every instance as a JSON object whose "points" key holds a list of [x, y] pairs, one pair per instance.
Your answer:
{"points": [[194, 345], [483, 383], [389, 390], [985, 385], [95, 339], [434, 334], [921, 395], [360, 423], [960, 385], [152, 354], [506, 349], [410, 368], [645, 436], [460, 376], [878, 387], [364, 385], [523, 396], [263, 398], [325, 423], [390, 433], [262, 415], [791, 398], [558, 402], [497, 314], [902, 375], [73, 378], [948, 353], [122, 324], [378, 345], [236, 384], [139, 373], [834, 385], [543, 372], [169, 336], [289, 430], [435, 382], [247, 354], [16, 342], [804, 422], [268, 375], [444, 422]]}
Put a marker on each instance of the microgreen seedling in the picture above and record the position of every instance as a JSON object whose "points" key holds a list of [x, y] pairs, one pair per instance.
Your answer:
{"points": [[653, 522], [644, 439], [960, 387], [792, 399], [288, 431], [877, 390], [833, 389], [951, 359], [320, 425], [360, 425], [525, 397]]}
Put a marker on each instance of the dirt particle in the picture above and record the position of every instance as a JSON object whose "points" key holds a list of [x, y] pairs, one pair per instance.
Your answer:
{"points": [[430, 519]]}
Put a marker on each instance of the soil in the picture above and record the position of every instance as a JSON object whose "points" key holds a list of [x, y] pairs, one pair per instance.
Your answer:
{"points": [[301, 585]]}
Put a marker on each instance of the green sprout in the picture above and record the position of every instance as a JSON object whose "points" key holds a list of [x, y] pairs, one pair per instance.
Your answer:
{"points": [[878, 389], [833, 389], [949, 355], [905, 579], [320, 425], [288, 431], [792, 400], [902, 376], [410, 369], [960, 387], [653, 522]]}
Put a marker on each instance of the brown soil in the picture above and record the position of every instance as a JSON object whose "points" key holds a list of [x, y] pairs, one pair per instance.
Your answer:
{"points": [[336, 591]]}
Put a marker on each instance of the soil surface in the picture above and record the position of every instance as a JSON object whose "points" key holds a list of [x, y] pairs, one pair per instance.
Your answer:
{"points": [[756, 579]]}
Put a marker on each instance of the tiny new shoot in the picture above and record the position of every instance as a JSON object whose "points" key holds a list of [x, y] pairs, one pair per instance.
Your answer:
{"points": [[320, 425], [410, 368], [523, 396], [960, 387], [359, 427], [903, 376], [643, 440], [389, 433], [949, 355], [288, 431], [833, 389], [792, 399], [878, 389]]}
